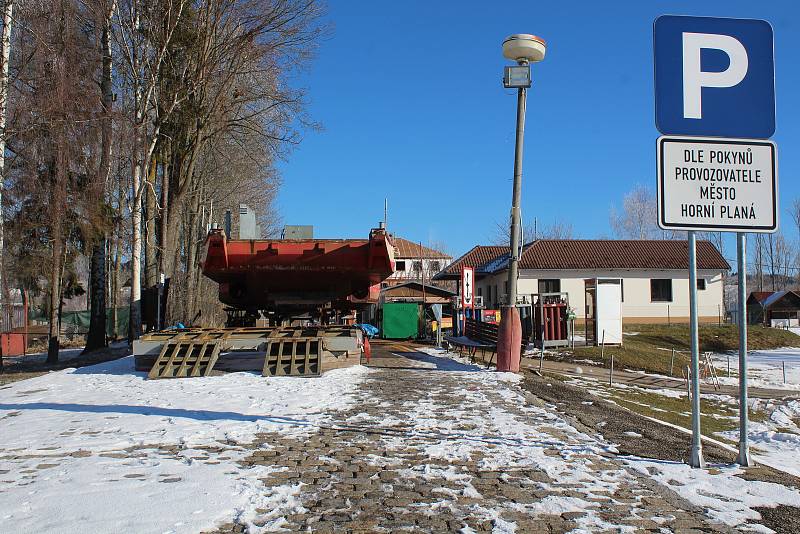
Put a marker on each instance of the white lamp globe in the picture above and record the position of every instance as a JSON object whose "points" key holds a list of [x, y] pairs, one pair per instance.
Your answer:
{"points": [[524, 47]]}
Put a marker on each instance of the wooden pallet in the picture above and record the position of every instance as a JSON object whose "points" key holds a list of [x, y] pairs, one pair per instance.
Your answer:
{"points": [[181, 359], [293, 356]]}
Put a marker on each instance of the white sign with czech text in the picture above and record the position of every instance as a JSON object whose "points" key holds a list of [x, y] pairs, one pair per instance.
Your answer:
{"points": [[716, 184]]}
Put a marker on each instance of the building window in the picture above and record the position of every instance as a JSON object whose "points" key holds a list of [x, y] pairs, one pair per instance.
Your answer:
{"points": [[400, 265], [416, 265], [479, 292], [661, 290], [435, 266], [552, 285], [701, 284]]}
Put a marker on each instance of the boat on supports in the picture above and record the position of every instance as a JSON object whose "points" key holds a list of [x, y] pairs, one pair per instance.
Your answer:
{"points": [[281, 278], [274, 280]]}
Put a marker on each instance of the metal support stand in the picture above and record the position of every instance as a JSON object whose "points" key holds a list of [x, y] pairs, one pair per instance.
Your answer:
{"points": [[741, 265], [697, 446]]}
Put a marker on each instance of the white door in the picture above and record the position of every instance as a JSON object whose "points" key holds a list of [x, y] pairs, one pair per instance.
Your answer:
{"points": [[609, 310]]}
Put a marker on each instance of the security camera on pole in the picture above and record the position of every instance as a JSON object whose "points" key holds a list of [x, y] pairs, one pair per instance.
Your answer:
{"points": [[715, 77], [524, 49]]}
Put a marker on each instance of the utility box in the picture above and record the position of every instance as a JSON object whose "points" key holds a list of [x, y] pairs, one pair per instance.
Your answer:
{"points": [[248, 228], [400, 320], [13, 343], [603, 311]]}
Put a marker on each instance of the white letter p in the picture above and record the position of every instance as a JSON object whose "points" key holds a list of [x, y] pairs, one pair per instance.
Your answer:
{"points": [[695, 79]]}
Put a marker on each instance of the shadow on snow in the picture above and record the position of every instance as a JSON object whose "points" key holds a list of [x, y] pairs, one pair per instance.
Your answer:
{"points": [[371, 429]]}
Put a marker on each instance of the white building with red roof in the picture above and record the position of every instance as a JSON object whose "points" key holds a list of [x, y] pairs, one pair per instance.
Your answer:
{"points": [[414, 261], [653, 275]]}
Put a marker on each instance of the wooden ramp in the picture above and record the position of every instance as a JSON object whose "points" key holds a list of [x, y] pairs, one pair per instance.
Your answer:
{"points": [[181, 359], [293, 356]]}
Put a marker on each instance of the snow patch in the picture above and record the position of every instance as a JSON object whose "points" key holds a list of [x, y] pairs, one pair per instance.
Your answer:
{"points": [[170, 448], [724, 496]]}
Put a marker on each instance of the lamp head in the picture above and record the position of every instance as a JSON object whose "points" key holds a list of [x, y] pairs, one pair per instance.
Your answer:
{"points": [[524, 48]]}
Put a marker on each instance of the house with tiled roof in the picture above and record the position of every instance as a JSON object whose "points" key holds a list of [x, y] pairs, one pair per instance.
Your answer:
{"points": [[653, 275], [414, 261], [478, 257], [774, 308]]}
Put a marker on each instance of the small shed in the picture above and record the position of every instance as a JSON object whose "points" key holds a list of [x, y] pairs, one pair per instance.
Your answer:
{"points": [[774, 308], [415, 292], [400, 303]]}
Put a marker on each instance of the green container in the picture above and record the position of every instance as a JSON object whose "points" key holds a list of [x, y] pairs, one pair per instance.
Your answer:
{"points": [[400, 320]]}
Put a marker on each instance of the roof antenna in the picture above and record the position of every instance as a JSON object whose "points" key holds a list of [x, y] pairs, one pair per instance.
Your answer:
{"points": [[385, 211]]}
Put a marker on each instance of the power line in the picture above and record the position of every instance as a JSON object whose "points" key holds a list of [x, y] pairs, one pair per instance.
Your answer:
{"points": [[766, 265]]}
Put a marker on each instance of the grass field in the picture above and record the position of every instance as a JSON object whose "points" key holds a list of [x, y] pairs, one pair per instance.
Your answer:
{"points": [[717, 415], [649, 347]]}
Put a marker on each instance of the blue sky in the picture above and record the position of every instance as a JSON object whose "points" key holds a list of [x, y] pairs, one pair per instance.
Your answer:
{"points": [[410, 98]]}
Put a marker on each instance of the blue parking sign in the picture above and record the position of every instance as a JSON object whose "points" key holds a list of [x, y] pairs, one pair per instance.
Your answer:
{"points": [[714, 77]]}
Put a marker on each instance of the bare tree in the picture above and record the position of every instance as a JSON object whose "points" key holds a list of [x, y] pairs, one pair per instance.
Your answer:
{"points": [[718, 241], [501, 235], [795, 212], [144, 34], [558, 230], [772, 257], [780, 256], [786, 254], [199, 109], [637, 219], [758, 260], [54, 148], [532, 230], [227, 77]]}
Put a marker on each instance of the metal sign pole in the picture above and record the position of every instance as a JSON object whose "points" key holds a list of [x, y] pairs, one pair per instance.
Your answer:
{"points": [[697, 446], [741, 265]]}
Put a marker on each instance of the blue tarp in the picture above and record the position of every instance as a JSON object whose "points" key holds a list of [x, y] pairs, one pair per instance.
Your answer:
{"points": [[368, 329]]}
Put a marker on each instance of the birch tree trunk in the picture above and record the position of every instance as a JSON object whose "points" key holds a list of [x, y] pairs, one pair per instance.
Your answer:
{"points": [[151, 239], [135, 322], [5, 55]]}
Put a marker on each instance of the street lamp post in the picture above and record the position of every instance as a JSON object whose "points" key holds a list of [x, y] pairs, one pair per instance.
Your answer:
{"points": [[524, 49]]}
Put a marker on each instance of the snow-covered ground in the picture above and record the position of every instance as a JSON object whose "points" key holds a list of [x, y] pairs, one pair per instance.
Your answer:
{"points": [[764, 368], [101, 449], [775, 441], [82, 450], [725, 497]]}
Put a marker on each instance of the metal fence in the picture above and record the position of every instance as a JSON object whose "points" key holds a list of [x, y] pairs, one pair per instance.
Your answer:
{"points": [[672, 314]]}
